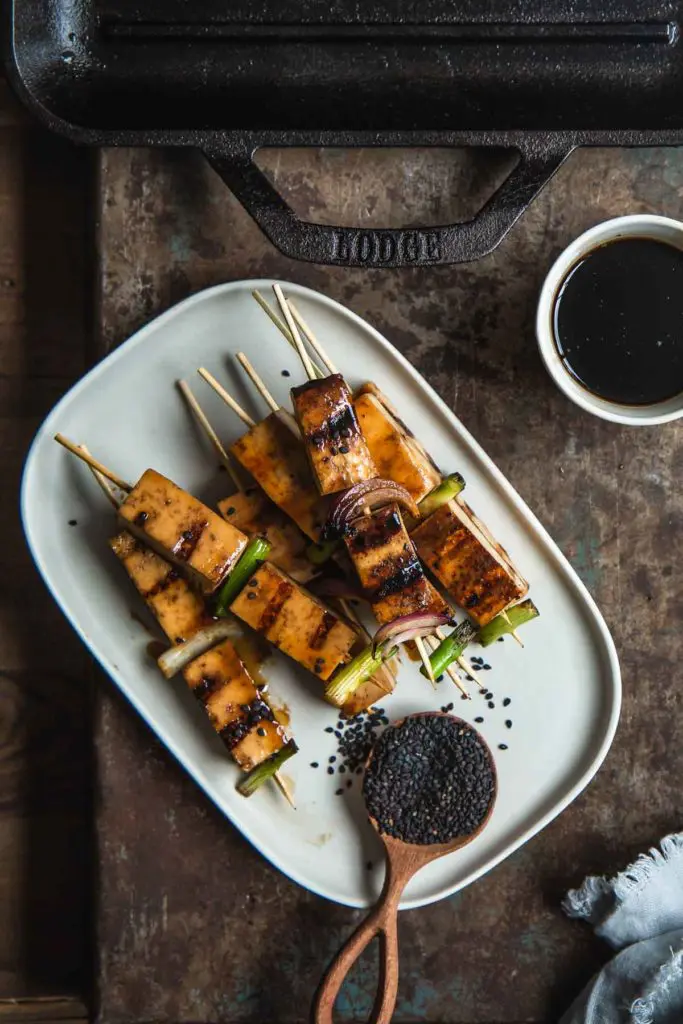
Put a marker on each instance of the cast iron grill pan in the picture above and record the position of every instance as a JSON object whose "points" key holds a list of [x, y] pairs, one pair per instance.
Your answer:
{"points": [[231, 76]]}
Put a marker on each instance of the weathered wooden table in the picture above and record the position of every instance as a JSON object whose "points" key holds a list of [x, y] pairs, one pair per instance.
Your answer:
{"points": [[192, 924]]}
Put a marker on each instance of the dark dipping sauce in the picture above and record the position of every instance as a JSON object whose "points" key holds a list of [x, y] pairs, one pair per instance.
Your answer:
{"points": [[618, 321], [430, 780]]}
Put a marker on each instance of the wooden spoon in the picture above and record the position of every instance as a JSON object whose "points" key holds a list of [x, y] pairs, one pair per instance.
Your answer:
{"points": [[403, 860]]}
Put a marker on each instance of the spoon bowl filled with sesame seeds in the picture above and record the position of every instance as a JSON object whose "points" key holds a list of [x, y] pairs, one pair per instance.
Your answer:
{"points": [[429, 787]]}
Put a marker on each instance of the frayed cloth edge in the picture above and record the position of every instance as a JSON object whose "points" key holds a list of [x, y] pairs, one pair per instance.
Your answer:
{"points": [[599, 895]]}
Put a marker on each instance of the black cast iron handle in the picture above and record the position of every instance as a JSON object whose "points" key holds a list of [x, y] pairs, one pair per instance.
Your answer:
{"points": [[391, 247]]}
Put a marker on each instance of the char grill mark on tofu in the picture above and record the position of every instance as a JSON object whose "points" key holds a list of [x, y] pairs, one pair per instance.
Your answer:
{"points": [[295, 621], [389, 568], [336, 449], [182, 530], [472, 567], [237, 712], [277, 461], [253, 513], [178, 609], [396, 453]]}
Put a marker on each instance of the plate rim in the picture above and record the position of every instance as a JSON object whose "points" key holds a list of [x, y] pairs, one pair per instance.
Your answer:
{"points": [[188, 764]]}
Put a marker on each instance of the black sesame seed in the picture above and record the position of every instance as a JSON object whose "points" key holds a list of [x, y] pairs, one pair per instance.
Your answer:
{"points": [[332, 758], [489, 696], [343, 449], [369, 865], [507, 702], [230, 511], [349, 783], [338, 792], [328, 728], [252, 583], [501, 639], [286, 373], [337, 733], [260, 731], [430, 779], [251, 596], [73, 522], [491, 705], [502, 746], [439, 679], [463, 696], [479, 719], [330, 771], [508, 723], [314, 764], [486, 668], [342, 769]]}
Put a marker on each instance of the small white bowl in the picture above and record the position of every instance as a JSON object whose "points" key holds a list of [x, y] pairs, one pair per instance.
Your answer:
{"points": [[637, 226]]}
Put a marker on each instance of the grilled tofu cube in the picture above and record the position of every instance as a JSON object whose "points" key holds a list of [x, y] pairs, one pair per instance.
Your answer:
{"points": [[236, 710], [396, 453], [277, 461], [171, 599], [182, 530], [388, 567], [254, 513], [471, 566], [294, 621], [335, 445]]}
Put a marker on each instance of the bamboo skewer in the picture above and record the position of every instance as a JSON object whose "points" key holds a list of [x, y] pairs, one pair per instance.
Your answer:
{"points": [[257, 382], [211, 434], [102, 474], [81, 453], [424, 658], [284, 415], [102, 481], [310, 337], [294, 331], [513, 632], [227, 398], [282, 327]]}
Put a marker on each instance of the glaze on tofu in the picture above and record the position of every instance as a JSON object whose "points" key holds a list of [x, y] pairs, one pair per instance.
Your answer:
{"points": [[182, 530], [253, 513], [336, 448], [178, 609], [295, 621], [277, 461], [397, 455], [471, 566], [389, 568]]}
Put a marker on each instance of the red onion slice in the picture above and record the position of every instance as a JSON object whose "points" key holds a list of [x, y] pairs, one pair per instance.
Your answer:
{"points": [[409, 627], [350, 504]]}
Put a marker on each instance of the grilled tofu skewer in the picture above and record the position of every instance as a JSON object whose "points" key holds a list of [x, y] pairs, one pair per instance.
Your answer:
{"points": [[338, 454], [174, 524], [218, 677], [252, 511], [399, 456]]}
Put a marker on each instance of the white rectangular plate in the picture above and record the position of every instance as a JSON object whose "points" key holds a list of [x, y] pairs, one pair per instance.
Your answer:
{"points": [[564, 686]]}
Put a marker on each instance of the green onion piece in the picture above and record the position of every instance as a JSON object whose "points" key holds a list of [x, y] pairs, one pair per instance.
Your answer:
{"points": [[449, 488], [318, 554], [346, 681], [256, 551], [507, 622], [450, 649], [262, 772]]}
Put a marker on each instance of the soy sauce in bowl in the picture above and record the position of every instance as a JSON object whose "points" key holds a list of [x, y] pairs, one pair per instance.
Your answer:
{"points": [[618, 321]]}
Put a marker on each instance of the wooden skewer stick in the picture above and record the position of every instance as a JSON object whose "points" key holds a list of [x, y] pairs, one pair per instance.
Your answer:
{"points": [[84, 456], [203, 421], [424, 658], [213, 437], [284, 415], [228, 399], [102, 481], [294, 331], [513, 632], [311, 338], [450, 671], [281, 326], [257, 381]]}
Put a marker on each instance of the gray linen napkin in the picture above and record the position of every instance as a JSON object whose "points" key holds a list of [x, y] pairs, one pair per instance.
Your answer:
{"points": [[639, 913]]}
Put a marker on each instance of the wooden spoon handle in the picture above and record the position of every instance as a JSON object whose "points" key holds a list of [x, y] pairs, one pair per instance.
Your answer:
{"points": [[381, 921]]}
